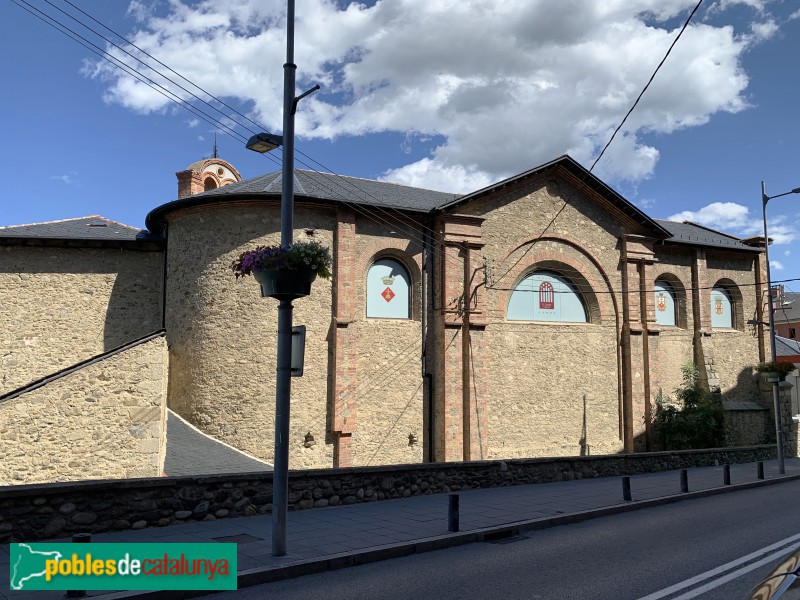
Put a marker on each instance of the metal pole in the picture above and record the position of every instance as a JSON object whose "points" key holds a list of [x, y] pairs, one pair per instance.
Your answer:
{"points": [[283, 383], [774, 354]]}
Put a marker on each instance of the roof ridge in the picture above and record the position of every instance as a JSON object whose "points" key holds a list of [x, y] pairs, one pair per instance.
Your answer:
{"points": [[711, 229], [55, 221], [414, 187], [72, 220]]}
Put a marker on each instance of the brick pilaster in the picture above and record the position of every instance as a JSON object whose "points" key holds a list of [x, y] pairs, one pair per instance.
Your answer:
{"points": [[703, 335], [461, 413], [343, 410], [638, 326]]}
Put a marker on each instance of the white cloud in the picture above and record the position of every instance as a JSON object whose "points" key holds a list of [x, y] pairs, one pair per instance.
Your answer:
{"points": [[67, 179], [736, 219], [506, 85], [776, 265], [193, 123], [427, 174], [787, 252], [722, 215]]}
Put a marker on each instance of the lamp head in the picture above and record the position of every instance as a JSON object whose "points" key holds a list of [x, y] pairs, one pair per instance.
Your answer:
{"points": [[264, 142]]}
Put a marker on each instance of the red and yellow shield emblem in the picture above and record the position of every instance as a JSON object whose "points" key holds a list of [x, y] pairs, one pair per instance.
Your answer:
{"points": [[718, 304], [661, 303]]}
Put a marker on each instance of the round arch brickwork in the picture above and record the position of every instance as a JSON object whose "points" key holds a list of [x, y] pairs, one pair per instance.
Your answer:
{"points": [[385, 248], [601, 304], [680, 296], [737, 301]]}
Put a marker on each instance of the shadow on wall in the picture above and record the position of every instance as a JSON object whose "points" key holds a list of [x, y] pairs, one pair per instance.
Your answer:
{"points": [[748, 412], [135, 305]]}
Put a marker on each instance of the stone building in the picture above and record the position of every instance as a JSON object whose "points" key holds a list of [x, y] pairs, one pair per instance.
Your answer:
{"points": [[540, 316]]}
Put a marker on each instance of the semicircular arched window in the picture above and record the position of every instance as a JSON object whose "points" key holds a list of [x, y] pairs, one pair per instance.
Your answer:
{"points": [[721, 309], [546, 296], [388, 285], [665, 303]]}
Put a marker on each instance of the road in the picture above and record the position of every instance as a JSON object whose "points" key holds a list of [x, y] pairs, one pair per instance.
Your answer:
{"points": [[678, 551]]}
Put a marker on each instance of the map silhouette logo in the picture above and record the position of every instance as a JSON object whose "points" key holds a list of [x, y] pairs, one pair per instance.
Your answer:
{"points": [[29, 564]]}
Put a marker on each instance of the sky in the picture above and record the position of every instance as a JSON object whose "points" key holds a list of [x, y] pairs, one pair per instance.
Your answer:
{"points": [[450, 95]]}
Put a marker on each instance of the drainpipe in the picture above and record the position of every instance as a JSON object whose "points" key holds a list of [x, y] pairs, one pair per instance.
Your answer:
{"points": [[643, 293], [427, 273], [465, 364]]}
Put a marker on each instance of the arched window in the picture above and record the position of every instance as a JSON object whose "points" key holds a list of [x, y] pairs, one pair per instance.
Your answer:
{"points": [[666, 304], [209, 184], [546, 296], [388, 285], [721, 309]]}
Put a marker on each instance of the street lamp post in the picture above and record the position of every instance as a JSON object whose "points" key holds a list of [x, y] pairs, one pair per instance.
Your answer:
{"points": [[774, 354], [265, 142]]}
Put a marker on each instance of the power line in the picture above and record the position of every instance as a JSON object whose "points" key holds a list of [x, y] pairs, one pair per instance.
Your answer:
{"points": [[652, 77]]}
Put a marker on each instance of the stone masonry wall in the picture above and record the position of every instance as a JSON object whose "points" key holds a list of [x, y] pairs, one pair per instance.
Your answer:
{"points": [[222, 336], [61, 306], [222, 333], [545, 378], [106, 420], [736, 351], [34, 512]]}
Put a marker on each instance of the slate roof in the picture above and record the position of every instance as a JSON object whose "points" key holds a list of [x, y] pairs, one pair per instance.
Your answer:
{"points": [[191, 452], [92, 230], [789, 310], [786, 347], [312, 185], [366, 192], [699, 235]]}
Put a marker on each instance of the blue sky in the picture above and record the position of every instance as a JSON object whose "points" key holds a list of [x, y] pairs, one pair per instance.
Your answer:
{"points": [[450, 96]]}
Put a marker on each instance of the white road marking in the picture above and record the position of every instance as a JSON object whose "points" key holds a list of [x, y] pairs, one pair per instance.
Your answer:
{"points": [[783, 548]]}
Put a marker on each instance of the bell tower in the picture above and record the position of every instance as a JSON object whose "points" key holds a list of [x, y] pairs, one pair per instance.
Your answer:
{"points": [[205, 175]]}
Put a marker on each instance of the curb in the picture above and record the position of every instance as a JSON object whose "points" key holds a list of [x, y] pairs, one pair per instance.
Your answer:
{"points": [[333, 562]]}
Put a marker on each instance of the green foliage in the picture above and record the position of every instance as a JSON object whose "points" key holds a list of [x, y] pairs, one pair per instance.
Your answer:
{"points": [[695, 421], [782, 368]]}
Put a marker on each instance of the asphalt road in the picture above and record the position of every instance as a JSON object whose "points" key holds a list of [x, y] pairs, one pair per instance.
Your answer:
{"points": [[679, 551]]}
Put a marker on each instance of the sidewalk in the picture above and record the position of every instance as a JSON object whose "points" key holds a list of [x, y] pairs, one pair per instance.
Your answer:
{"points": [[328, 538]]}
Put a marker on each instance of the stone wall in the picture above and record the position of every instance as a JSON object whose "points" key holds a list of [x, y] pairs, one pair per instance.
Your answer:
{"points": [[553, 388], [222, 332], [105, 420], [34, 512], [64, 305], [222, 340]]}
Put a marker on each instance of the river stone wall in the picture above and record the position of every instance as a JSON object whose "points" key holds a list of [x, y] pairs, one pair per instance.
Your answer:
{"points": [[35, 512], [105, 420]]}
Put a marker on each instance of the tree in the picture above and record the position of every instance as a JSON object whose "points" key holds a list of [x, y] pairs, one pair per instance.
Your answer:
{"points": [[694, 421]]}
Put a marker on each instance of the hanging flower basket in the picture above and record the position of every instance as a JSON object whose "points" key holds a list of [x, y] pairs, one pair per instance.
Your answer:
{"points": [[774, 372], [285, 284], [285, 272]]}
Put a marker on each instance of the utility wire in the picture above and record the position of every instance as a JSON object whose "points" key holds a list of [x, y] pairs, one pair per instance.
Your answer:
{"points": [[399, 221], [80, 39], [652, 77]]}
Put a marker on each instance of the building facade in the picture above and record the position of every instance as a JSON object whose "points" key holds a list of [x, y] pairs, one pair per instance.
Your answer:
{"points": [[540, 316]]}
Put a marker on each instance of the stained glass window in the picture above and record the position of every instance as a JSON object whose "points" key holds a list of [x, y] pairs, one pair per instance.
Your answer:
{"points": [[665, 304], [546, 296], [388, 284]]}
